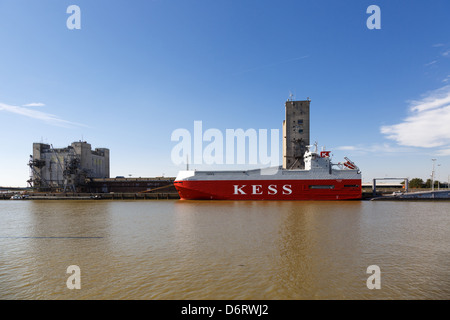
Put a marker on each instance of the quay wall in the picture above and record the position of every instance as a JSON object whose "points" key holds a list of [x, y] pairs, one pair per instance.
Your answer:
{"points": [[95, 196]]}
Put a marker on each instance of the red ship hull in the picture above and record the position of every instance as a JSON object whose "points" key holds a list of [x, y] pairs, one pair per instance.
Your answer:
{"points": [[339, 189]]}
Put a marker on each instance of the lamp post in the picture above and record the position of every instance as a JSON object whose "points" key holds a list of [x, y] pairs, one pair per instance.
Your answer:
{"points": [[437, 176], [432, 175]]}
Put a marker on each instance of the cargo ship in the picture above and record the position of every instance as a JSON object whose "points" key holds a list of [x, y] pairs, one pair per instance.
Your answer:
{"points": [[319, 180]]}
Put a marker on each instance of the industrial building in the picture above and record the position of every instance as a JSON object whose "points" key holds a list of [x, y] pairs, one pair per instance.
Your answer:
{"points": [[78, 168], [295, 133], [66, 169]]}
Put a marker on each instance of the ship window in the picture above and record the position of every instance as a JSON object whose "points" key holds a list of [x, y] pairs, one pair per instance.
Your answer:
{"points": [[300, 121], [351, 186], [321, 187], [300, 130]]}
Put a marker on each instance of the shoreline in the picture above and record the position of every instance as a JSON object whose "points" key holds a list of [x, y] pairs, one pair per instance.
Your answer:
{"points": [[366, 196], [92, 196]]}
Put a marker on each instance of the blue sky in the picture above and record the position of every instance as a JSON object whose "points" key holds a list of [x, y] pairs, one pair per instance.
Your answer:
{"points": [[138, 70]]}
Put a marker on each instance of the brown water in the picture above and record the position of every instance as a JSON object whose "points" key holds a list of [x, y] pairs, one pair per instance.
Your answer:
{"points": [[224, 250]]}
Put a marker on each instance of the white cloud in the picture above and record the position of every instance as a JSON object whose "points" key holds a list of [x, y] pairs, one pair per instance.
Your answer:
{"points": [[39, 115], [434, 99], [443, 152], [430, 63], [428, 126], [377, 148], [34, 104]]}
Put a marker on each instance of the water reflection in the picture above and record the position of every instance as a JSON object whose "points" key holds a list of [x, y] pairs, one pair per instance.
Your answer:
{"points": [[223, 249], [313, 259]]}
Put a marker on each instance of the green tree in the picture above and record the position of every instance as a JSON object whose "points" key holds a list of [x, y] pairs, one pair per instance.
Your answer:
{"points": [[416, 183], [428, 183]]}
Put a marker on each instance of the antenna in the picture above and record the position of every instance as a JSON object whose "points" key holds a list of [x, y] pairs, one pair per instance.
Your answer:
{"points": [[291, 96]]}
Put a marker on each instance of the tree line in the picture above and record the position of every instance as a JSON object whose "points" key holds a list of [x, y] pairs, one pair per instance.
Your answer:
{"points": [[419, 183]]}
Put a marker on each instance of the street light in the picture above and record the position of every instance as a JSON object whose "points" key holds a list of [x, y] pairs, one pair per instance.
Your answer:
{"points": [[437, 177], [432, 175]]}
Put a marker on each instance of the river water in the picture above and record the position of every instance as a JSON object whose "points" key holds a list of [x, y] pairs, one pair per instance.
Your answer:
{"points": [[171, 249]]}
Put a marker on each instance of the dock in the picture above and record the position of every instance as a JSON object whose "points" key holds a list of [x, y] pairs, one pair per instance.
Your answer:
{"points": [[410, 196], [366, 196], [93, 196]]}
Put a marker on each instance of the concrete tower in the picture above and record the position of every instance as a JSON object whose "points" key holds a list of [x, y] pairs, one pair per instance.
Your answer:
{"points": [[295, 134]]}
